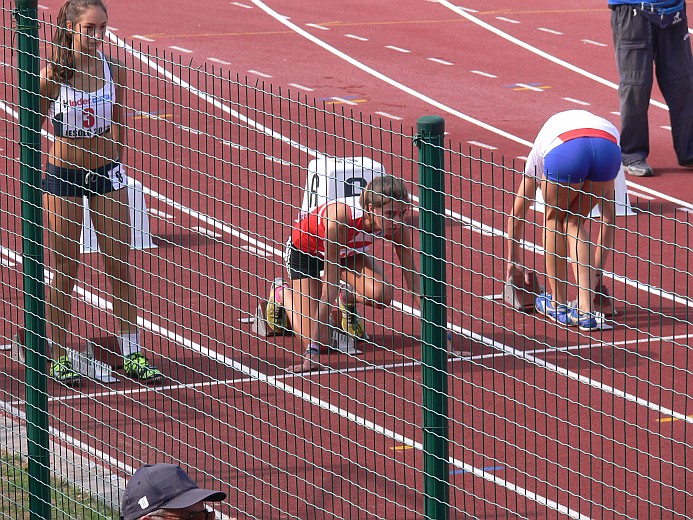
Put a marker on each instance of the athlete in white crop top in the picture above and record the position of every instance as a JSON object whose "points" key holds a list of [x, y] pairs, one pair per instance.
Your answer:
{"points": [[82, 92], [76, 113]]}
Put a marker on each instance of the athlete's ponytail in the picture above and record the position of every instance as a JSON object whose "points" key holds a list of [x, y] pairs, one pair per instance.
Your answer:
{"points": [[62, 66]]}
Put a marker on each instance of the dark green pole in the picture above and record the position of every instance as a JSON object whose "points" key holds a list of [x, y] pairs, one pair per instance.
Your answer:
{"points": [[28, 71], [434, 356]]}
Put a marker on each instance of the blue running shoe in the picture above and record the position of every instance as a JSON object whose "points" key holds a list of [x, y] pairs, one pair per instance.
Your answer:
{"points": [[546, 306], [583, 320]]}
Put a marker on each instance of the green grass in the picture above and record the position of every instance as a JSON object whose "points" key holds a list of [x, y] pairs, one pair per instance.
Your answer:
{"points": [[68, 501]]}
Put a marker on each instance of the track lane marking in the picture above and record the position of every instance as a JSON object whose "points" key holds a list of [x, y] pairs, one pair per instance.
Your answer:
{"points": [[568, 66], [550, 31]]}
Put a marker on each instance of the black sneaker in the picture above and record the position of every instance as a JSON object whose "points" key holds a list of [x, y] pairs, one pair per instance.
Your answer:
{"points": [[639, 169]]}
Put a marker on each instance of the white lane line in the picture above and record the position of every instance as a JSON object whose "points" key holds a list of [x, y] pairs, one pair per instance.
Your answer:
{"points": [[354, 37], [615, 113], [490, 477], [387, 79], [389, 116], [535, 50], [576, 101], [111, 28], [217, 60], [592, 42], [634, 283], [529, 87], [255, 251], [244, 6], [206, 232], [181, 49], [468, 9], [140, 37], [550, 31], [482, 145], [398, 49], [687, 210], [482, 73], [159, 214], [504, 19], [258, 73], [666, 127], [270, 132], [41, 6], [342, 100], [640, 195], [317, 26], [301, 87], [442, 62]]}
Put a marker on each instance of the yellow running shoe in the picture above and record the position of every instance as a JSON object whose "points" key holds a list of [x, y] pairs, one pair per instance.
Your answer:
{"points": [[352, 322], [277, 319], [62, 372], [137, 367]]}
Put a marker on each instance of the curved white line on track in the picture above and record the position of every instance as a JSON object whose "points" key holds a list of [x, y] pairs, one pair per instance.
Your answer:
{"points": [[535, 50], [462, 12], [426, 99], [480, 338], [384, 78]]}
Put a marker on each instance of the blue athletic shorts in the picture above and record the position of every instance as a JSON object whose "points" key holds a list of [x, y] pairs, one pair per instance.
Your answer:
{"points": [[593, 158]]}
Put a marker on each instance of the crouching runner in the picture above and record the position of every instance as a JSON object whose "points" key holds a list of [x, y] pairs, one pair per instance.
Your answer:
{"points": [[335, 239]]}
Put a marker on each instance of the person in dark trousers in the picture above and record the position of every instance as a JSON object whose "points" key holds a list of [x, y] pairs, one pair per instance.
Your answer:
{"points": [[647, 33]]}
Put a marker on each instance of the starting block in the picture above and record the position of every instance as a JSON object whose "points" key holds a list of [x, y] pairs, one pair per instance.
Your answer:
{"points": [[260, 324], [18, 347], [521, 295], [341, 341], [86, 364]]}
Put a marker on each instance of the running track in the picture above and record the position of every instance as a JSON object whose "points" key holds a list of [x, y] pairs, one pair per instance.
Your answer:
{"points": [[431, 58]]}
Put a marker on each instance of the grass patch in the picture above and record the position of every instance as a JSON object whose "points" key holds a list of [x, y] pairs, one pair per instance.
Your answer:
{"points": [[67, 500]]}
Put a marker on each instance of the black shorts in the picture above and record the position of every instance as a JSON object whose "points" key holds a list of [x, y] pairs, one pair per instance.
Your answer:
{"points": [[302, 265], [69, 182]]}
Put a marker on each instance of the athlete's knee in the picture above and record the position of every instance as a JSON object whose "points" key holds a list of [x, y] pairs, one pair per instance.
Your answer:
{"points": [[381, 295]]}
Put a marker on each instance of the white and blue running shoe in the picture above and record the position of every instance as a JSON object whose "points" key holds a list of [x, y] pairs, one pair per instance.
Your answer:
{"points": [[545, 305]]}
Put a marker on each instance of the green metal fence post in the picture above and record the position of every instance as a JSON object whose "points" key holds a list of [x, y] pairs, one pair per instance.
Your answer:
{"points": [[434, 357], [26, 16]]}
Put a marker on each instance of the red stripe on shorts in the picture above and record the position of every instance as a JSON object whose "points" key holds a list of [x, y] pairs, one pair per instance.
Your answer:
{"points": [[587, 132]]}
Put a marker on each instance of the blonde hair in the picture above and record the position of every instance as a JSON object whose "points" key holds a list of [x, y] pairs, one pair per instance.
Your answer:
{"points": [[63, 65], [382, 190]]}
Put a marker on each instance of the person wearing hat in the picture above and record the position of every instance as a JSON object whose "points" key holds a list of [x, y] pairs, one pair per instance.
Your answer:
{"points": [[165, 491]]}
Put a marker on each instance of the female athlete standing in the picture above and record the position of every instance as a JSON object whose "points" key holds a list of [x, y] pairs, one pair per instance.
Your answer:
{"points": [[82, 92], [335, 238]]}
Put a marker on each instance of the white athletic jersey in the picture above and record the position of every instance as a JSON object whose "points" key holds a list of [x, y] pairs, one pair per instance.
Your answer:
{"points": [[563, 127], [76, 113]]}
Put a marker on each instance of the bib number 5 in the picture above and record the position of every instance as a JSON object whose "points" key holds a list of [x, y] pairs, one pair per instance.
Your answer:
{"points": [[88, 118]]}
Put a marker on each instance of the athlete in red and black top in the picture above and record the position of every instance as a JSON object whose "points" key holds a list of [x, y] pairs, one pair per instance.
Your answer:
{"points": [[334, 239]]}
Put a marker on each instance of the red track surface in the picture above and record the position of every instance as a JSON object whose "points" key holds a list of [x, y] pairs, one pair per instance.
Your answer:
{"points": [[295, 447]]}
